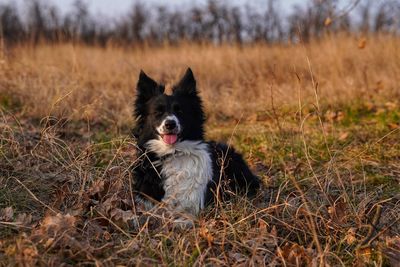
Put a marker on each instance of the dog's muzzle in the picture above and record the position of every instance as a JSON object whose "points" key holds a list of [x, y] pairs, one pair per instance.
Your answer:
{"points": [[169, 130]]}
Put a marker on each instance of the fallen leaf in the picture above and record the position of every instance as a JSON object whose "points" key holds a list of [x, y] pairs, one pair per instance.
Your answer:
{"points": [[52, 225], [380, 111], [391, 250], [205, 233], [107, 236], [109, 204], [49, 242], [328, 21], [96, 187], [340, 116], [122, 217], [262, 225], [10, 250], [274, 232], [363, 255], [393, 126], [370, 106], [24, 219], [330, 115], [351, 236], [391, 105], [29, 255], [362, 43], [7, 214], [343, 136], [338, 212], [296, 255]]}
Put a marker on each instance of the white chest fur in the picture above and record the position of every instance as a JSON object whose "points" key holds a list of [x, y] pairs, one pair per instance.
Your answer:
{"points": [[187, 171]]}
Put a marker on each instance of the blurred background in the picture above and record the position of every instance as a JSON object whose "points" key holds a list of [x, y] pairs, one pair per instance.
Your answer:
{"points": [[155, 22], [307, 90], [79, 59]]}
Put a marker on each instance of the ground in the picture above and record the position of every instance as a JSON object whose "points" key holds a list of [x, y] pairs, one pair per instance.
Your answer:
{"points": [[321, 131]]}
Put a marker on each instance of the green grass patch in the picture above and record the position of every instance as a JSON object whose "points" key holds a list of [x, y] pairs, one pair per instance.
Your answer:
{"points": [[9, 103]]}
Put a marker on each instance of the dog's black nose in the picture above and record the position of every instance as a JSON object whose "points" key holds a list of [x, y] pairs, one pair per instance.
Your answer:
{"points": [[170, 124]]}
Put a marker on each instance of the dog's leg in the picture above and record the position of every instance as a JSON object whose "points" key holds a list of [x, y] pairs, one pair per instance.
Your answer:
{"points": [[233, 170]]}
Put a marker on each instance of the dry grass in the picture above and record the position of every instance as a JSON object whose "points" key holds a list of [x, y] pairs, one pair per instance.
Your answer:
{"points": [[319, 123], [98, 84]]}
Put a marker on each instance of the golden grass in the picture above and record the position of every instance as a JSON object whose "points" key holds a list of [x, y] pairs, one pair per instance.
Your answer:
{"points": [[97, 84], [319, 124]]}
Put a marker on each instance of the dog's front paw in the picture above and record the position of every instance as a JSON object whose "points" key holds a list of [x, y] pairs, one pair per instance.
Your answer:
{"points": [[184, 223]]}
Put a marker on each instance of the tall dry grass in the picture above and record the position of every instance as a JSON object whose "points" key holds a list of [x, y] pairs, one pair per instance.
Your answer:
{"points": [[319, 124], [98, 84]]}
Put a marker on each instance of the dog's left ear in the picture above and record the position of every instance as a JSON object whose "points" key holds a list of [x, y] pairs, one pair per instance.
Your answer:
{"points": [[187, 85], [147, 87]]}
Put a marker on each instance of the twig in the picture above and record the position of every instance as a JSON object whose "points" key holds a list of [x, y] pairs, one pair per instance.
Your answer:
{"points": [[15, 224], [366, 242], [34, 197]]}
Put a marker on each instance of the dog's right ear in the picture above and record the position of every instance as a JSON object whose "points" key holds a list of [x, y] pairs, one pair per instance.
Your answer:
{"points": [[147, 87]]}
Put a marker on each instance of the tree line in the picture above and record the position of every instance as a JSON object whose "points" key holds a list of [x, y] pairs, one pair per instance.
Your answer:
{"points": [[215, 21]]}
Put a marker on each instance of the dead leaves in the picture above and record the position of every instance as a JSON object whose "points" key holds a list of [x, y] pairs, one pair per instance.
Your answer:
{"points": [[123, 218], [60, 233], [351, 236], [262, 225], [8, 217], [343, 136], [52, 226], [54, 229], [339, 212], [206, 234], [391, 250], [114, 211], [386, 252], [334, 116], [24, 252], [296, 255], [7, 214]]}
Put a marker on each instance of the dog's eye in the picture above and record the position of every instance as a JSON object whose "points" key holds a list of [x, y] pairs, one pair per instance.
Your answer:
{"points": [[177, 109], [159, 111]]}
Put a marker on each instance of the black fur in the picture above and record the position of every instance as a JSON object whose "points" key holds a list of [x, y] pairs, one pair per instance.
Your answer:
{"points": [[151, 106]]}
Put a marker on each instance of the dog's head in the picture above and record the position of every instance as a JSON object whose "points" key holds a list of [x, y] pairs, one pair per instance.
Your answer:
{"points": [[170, 118]]}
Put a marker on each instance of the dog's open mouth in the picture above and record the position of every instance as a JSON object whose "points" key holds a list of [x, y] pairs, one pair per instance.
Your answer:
{"points": [[169, 139]]}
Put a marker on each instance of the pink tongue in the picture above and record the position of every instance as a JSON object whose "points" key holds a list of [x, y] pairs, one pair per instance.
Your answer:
{"points": [[170, 138]]}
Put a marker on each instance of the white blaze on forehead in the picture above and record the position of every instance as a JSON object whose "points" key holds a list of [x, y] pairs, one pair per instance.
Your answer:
{"points": [[161, 129]]}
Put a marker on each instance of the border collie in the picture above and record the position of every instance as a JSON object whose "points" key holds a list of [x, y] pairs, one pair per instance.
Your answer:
{"points": [[176, 165]]}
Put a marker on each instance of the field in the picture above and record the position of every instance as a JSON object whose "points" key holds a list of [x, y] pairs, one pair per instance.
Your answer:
{"points": [[318, 122]]}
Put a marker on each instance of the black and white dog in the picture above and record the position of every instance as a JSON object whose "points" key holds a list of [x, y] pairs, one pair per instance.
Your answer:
{"points": [[177, 166]]}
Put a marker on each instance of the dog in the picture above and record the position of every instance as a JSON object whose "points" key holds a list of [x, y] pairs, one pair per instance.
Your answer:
{"points": [[175, 164]]}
